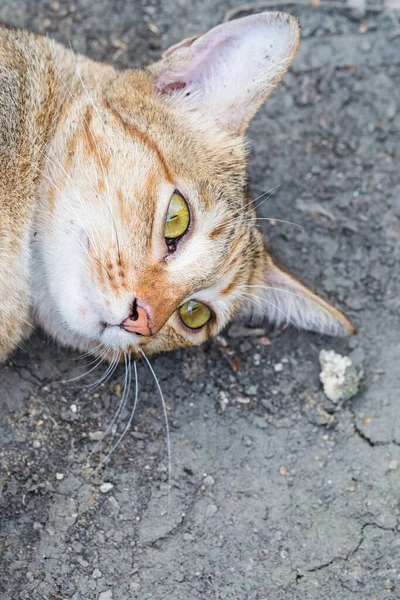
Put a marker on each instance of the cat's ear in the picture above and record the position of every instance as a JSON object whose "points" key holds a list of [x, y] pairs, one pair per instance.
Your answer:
{"points": [[279, 297], [228, 72]]}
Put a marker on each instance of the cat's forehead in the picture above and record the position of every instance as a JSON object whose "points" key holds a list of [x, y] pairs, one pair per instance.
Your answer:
{"points": [[196, 149]]}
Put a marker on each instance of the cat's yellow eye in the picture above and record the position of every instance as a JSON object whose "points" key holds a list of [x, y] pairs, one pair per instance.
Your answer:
{"points": [[178, 217], [195, 314]]}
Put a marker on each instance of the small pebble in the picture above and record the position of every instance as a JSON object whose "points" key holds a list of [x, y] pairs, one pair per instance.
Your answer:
{"points": [[135, 586], [84, 563], [208, 481], [243, 400], [393, 465], [96, 574], [73, 408], [283, 471], [251, 390], [278, 367], [211, 510], [59, 476], [105, 595], [96, 436], [106, 487], [36, 444], [224, 398], [113, 504]]}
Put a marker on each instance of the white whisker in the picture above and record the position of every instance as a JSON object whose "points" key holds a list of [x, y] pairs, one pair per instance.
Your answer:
{"points": [[236, 214], [57, 188], [86, 354], [109, 204], [30, 324], [87, 124], [253, 299], [98, 363], [166, 424], [61, 170], [269, 287], [108, 373], [121, 405], [276, 220], [127, 427]]}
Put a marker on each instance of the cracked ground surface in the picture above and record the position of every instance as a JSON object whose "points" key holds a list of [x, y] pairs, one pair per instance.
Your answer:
{"points": [[281, 495]]}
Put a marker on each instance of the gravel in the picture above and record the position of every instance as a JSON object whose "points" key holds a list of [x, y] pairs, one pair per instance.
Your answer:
{"points": [[305, 503]]}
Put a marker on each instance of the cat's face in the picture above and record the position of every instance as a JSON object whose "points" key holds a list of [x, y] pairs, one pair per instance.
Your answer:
{"points": [[149, 241]]}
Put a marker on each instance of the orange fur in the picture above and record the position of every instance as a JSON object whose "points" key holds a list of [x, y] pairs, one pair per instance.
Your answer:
{"points": [[91, 166]]}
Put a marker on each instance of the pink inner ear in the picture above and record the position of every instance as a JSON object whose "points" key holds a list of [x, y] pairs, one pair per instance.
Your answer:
{"points": [[189, 64], [228, 72], [170, 88]]}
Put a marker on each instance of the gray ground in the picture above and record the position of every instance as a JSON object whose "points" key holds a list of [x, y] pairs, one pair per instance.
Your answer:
{"points": [[281, 495]]}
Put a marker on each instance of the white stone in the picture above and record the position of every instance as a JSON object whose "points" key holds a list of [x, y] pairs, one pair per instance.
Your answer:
{"points": [[106, 487], [338, 376]]}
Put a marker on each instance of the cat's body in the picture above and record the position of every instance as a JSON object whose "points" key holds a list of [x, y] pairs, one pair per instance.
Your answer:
{"points": [[27, 106], [91, 162]]}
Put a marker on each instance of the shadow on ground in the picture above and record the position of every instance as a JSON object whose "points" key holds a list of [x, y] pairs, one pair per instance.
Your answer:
{"points": [[276, 494]]}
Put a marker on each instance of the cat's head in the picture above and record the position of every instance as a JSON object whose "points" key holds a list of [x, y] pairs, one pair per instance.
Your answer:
{"points": [[152, 239]]}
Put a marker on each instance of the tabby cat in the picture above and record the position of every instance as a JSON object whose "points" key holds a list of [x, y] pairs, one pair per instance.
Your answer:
{"points": [[125, 225]]}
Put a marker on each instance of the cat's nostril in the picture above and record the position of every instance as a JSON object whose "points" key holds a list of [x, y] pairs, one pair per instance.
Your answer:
{"points": [[134, 311]]}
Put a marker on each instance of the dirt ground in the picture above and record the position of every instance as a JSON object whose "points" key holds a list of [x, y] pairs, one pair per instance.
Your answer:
{"points": [[276, 492]]}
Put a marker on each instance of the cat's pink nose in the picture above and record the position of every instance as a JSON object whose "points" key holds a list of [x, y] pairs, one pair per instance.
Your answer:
{"points": [[138, 322]]}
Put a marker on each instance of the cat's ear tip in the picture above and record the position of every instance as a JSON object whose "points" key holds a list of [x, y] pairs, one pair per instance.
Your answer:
{"points": [[291, 23], [349, 328], [278, 16], [343, 327]]}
